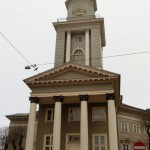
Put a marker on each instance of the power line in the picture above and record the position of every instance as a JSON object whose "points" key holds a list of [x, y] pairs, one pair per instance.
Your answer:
{"points": [[127, 54], [130, 39], [111, 56], [23, 15], [18, 51]]}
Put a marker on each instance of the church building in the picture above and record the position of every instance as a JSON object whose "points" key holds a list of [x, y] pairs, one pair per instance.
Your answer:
{"points": [[78, 100]]}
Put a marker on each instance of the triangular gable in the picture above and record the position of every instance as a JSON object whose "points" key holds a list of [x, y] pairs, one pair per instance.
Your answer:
{"points": [[70, 71]]}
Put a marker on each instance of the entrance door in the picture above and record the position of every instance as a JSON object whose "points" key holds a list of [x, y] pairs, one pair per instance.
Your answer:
{"points": [[73, 142]]}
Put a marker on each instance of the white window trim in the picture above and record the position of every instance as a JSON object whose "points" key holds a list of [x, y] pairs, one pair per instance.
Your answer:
{"points": [[99, 134], [45, 135], [93, 108], [122, 126], [69, 114], [137, 125], [46, 114], [127, 144], [67, 137]]}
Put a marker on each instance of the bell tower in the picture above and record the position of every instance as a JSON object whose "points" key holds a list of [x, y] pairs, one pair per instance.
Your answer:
{"points": [[81, 8], [81, 36]]}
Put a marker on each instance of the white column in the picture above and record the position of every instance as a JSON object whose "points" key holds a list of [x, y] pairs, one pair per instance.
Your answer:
{"points": [[57, 123], [112, 123], [84, 123], [87, 47], [68, 46], [31, 123]]}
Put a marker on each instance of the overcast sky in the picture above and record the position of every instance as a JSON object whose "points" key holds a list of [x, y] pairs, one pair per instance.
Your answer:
{"points": [[27, 24]]}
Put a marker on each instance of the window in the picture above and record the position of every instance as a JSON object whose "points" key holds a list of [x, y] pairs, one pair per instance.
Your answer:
{"points": [[136, 129], [73, 138], [125, 146], [145, 132], [78, 56], [147, 147], [49, 115], [124, 127], [78, 52], [99, 142], [74, 114], [48, 142], [98, 114], [78, 39]]}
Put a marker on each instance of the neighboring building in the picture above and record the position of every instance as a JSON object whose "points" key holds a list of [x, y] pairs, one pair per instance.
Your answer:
{"points": [[79, 102], [131, 126], [17, 128]]}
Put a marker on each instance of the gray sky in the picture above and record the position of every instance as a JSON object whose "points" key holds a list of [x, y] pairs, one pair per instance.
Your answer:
{"points": [[27, 24]]}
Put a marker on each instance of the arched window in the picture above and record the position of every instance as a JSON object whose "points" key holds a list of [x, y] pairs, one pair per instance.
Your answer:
{"points": [[78, 56]]}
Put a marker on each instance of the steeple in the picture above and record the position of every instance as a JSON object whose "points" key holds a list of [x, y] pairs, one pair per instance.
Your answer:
{"points": [[81, 37]]}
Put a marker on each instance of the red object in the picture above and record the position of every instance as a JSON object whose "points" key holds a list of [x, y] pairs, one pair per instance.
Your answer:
{"points": [[139, 146]]}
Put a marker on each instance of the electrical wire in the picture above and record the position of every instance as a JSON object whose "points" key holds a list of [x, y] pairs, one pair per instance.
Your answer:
{"points": [[22, 15], [130, 39], [18, 51], [111, 56]]}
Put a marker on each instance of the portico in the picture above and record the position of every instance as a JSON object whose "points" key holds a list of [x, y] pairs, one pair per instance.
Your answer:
{"points": [[51, 88], [84, 140]]}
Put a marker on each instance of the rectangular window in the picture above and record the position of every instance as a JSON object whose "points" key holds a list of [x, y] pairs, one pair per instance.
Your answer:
{"points": [[78, 39], [124, 127], [49, 115], [48, 142], [98, 114], [73, 138], [125, 146], [145, 132], [74, 114], [136, 129], [99, 142]]}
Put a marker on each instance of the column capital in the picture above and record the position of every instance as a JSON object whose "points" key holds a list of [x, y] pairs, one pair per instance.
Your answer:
{"points": [[84, 97], [87, 29], [110, 96], [34, 99], [68, 31], [58, 98]]}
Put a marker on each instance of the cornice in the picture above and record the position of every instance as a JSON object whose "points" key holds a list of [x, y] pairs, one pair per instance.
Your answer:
{"points": [[73, 81], [134, 109], [19, 117], [72, 66]]}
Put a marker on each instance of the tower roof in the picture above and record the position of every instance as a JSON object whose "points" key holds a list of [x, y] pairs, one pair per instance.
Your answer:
{"points": [[94, 1]]}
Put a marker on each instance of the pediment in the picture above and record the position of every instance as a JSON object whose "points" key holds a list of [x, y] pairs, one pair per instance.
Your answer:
{"points": [[70, 72]]}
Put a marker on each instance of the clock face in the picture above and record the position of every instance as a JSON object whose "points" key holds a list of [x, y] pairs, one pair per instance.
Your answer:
{"points": [[79, 12]]}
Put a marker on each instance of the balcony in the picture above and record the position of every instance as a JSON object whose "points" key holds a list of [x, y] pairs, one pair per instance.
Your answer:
{"points": [[78, 18]]}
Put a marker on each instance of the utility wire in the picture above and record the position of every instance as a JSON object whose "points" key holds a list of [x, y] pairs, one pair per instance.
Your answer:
{"points": [[130, 39], [111, 56], [18, 51], [127, 54], [23, 15]]}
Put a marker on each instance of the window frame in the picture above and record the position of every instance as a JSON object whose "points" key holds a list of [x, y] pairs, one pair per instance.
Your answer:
{"points": [[78, 39], [100, 108], [124, 126], [52, 116], [50, 146], [74, 114], [126, 148], [136, 129], [93, 140], [72, 142]]}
